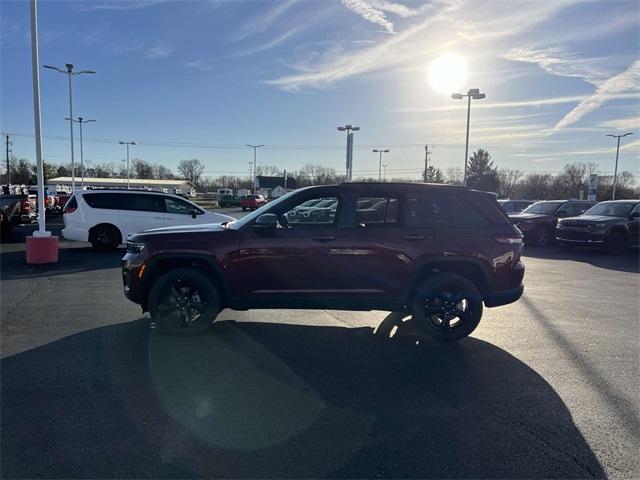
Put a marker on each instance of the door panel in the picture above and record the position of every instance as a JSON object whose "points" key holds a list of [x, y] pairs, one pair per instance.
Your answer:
{"points": [[139, 212]]}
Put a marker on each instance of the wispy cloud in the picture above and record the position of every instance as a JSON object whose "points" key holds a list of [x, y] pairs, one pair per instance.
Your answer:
{"points": [[627, 81], [203, 64], [521, 103], [369, 13], [116, 5], [399, 9], [126, 46], [159, 51], [563, 62], [263, 21], [626, 123], [268, 45]]}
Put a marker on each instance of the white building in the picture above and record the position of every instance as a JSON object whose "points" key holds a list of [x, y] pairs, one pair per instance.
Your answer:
{"points": [[178, 186]]}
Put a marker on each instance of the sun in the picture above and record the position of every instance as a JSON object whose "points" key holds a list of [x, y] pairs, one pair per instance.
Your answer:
{"points": [[448, 72]]}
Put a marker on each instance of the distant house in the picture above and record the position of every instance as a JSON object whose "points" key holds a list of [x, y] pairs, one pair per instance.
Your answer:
{"points": [[184, 187], [274, 187]]}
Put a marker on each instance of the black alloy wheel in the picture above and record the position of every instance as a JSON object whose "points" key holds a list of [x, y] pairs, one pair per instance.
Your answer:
{"points": [[184, 302], [448, 307]]}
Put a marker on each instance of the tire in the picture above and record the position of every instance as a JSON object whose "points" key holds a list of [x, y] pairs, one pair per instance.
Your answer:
{"points": [[616, 243], [244, 209], [105, 237], [436, 302], [542, 236], [184, 302]]}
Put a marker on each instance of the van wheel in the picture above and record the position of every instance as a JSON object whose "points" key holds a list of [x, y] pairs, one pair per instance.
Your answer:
{"points": [[105, 237], [447, 307], [184, 302]]}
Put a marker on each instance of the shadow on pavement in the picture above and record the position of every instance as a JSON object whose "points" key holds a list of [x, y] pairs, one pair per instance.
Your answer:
{"points": [[276, 400], [627, 262], [71, 260]]}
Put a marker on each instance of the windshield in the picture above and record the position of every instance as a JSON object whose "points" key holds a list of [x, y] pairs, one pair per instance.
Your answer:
{"points": [[611, 209], [544, 208], [256, 213]]}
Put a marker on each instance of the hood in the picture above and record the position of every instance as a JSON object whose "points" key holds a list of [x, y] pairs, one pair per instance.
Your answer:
{"points": [[594, 218], [218, 217], [528, 216], [203, 227]]}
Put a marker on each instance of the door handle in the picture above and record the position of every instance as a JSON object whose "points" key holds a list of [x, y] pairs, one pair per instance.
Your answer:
{"points": [[326, 238], [413, 237]]}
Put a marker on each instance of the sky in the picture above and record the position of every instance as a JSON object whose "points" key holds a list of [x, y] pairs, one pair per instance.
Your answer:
{"points": [[201, 79]]}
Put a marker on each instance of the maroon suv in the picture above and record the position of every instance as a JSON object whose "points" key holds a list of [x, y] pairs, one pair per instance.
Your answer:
{"points": [[438, 252]]}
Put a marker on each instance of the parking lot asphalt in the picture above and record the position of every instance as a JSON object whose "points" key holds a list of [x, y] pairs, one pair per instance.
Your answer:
{"points": [[548, 387]]}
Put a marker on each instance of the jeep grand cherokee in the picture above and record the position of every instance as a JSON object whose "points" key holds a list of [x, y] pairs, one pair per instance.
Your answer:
{"points": [[439, 252]]}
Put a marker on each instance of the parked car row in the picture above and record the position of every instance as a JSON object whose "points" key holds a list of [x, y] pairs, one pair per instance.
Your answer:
{"points": [[612, 225]]}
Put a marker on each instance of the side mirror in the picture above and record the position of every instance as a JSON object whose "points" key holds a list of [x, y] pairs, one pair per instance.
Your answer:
{"points": [[635, 215], [194, 213], [266, 221], [562, 213]]}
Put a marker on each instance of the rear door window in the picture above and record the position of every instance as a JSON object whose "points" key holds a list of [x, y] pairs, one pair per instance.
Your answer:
{"points": [[109, 201], [377, 211], [442, 210]]}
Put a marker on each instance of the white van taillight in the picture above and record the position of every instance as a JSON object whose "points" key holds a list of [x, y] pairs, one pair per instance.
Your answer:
{"points": [[509, 239], [71, 206]]}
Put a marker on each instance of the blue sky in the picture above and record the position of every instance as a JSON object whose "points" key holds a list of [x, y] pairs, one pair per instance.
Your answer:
{"points": [[201, 79]]}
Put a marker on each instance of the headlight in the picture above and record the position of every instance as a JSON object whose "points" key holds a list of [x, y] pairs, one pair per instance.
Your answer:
{"points": [[598, 226], [134, 247]]}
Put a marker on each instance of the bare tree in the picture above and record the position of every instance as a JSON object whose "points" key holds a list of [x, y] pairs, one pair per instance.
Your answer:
{"points": [[268, 170], [162, 173], [455, 176], [509, 179], [142, 169], [191, 170]]}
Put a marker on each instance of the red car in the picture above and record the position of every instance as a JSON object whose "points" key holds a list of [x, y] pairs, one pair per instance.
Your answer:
{"points": [[438, 252], [252, 202]]}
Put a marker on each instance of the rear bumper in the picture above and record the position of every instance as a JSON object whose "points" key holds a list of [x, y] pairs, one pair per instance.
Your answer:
{"points": [[75, 234], [495, 299]]}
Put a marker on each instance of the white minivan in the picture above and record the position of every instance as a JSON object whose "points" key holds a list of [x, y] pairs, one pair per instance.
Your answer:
{"points": [[107, 217]]}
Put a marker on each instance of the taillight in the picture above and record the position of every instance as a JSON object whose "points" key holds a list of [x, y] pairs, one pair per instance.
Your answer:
{"points": [[24, 206], [69, 210], [509, 239]]}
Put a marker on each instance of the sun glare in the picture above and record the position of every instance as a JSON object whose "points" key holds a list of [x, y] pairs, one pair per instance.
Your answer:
{"points": [[448, 72]]}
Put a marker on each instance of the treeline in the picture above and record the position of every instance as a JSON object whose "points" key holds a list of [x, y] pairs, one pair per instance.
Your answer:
{"points": [[482, 174]]}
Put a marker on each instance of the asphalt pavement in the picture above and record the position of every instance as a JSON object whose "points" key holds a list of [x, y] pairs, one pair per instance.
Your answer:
{"points": [[548, 387]]}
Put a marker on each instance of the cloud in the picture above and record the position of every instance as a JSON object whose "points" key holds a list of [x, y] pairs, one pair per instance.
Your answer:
{"points": [[399, 9], [159, 51], [369, 13], [259, 24], [268, 45], [126, 46], [116, 5], [560, 61], [627, 123], [203, 64], [521, 103], [627, 81]]}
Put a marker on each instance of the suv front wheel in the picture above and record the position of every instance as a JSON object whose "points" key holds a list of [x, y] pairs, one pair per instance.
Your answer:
{"points": [[447, 307], [184, 302]]}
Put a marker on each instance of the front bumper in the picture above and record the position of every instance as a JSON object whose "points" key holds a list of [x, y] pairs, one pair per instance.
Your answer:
{"points": [[580, 237], [75, 234], [132, 279]]}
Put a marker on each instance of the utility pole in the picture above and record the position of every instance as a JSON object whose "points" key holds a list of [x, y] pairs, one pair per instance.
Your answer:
{"points": [[375, 150], [426, 162], [615, 172], [255, 165], [7, 143], [349, 164]]}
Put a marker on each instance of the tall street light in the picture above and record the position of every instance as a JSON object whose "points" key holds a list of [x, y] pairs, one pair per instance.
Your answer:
{"points": [[349, 129], [127, 144], [615, 172], [255, 170], [375, 150], [81, 120], [69, 72], [476, 95], [384, 176]]}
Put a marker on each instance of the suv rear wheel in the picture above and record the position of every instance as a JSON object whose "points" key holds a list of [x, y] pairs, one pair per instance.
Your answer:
{"points": [[447, 307], [105, 237], [616, 243], [542, 236], [184, 302]]}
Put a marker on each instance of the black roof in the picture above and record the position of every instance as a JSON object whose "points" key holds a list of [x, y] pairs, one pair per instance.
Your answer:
{"points": [[273, 182]]}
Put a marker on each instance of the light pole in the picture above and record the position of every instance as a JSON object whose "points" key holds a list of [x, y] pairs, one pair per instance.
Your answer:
{"points": [[384, 176], [127, 144], [69, 72], [476, 95], [81, 120], [615, 172], [349, 129], [255, 170], [375, 150]]}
